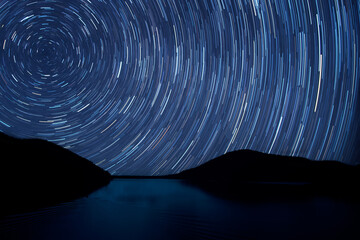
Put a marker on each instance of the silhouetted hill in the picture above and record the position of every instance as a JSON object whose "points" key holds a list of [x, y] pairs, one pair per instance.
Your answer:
{"points": [[36, 173], [250, 172]]}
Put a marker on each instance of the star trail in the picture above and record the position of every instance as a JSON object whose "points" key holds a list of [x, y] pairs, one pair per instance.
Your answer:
{"points": [[155, 87]]}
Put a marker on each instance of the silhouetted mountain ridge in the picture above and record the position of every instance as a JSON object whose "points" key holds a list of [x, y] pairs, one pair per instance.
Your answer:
{"points": [[36, 173], [248, 165], [255, 172]]}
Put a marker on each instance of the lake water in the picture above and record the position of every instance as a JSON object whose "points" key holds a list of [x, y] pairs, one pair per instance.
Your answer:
{"points": [[171, 209]]}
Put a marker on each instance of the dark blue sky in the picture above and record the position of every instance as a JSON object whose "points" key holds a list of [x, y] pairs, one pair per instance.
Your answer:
{"points": [[155, 87]]}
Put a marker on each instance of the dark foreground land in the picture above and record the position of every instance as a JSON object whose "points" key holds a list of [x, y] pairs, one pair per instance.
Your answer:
{"points": [[36, 173], [254, 175], [271, 197]]}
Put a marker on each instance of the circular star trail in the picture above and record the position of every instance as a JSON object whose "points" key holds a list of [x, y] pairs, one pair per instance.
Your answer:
{"points": [[156, 87]]}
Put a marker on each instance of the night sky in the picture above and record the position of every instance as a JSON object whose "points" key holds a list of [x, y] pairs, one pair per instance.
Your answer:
{"points": [[155, 87]]}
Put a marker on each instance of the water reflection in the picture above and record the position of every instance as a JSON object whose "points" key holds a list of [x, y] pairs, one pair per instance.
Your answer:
{"points": [[169, 209]]}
